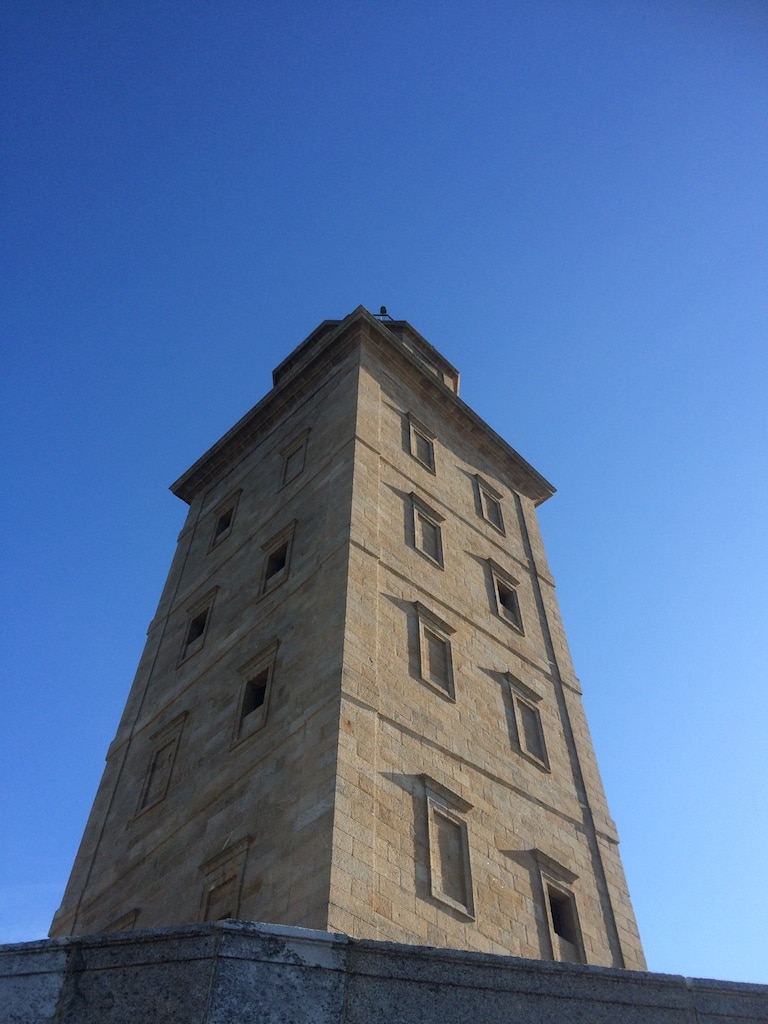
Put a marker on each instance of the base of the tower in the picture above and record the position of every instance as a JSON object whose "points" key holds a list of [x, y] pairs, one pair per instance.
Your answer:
{"points": [[243, 973]]}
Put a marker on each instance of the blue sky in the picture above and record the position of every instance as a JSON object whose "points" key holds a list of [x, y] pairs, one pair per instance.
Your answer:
{"points": [[569, 199]]}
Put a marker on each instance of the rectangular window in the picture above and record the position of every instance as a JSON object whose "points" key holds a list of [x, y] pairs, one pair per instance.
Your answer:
{"points": [[505, 596], [449, 864], [438, 660], [424, 449], [222, 900], [253, 702], [223, 518], [421, 443], [294, 463], [532, 736], [529, 738], [560, 913], [293, 458], [223, 525], [197, 626], [449, 835], [564, 925], [427, 534], [223, 882], [278, 558], [435, 658], [509, 606], [489, 504], [255, 694], [158, 775], [196, 630], [276, 561]]}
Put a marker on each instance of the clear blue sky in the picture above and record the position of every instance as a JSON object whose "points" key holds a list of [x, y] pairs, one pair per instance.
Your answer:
{"points": [[569, 199]]}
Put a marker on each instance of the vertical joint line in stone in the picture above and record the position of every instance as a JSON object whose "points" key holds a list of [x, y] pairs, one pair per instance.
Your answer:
{"points": [[578, 776]]}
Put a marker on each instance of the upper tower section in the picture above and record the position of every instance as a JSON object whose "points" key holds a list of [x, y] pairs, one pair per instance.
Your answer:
{"points": [[325, 347], [409, 339]]}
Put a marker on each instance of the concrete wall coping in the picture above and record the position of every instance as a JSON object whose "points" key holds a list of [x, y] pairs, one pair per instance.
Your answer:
{"points": [[241, 972]]}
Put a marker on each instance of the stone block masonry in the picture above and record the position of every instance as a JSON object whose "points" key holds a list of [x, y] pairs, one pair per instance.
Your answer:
{"points": [[356, 710], [233, 972]]}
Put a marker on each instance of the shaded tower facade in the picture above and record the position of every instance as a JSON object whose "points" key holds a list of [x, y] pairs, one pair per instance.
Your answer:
{"points": [[356, 710]]}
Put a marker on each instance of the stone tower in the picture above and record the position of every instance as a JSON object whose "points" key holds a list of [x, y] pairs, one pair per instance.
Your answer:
{"points": [[356, 710]]}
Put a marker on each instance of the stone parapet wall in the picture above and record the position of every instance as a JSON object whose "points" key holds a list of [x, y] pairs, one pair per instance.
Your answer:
{"points": [[245, 973]]}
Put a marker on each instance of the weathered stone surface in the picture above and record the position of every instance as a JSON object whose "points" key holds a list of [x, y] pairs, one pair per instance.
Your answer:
{"points": [[31, 978], [242, 973]]}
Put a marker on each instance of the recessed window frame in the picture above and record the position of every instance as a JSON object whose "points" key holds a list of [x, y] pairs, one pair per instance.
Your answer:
{"points": [[566, 942], [425, 516], [124, 923], [294, 456], [262, 664], [489, 499], [506, 597], [197, 626], [225, 870], [444, 806], [526, 701], [280, 545], [225, 510], [421, 443], [153, 792], [432, 626]]}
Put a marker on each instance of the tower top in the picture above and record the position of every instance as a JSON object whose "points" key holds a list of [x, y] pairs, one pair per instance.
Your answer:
{"points": [[328, 343], [402, 333]]}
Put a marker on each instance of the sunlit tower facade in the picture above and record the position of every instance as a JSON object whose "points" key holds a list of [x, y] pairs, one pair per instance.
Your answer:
{"points": [[356, 710]]}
